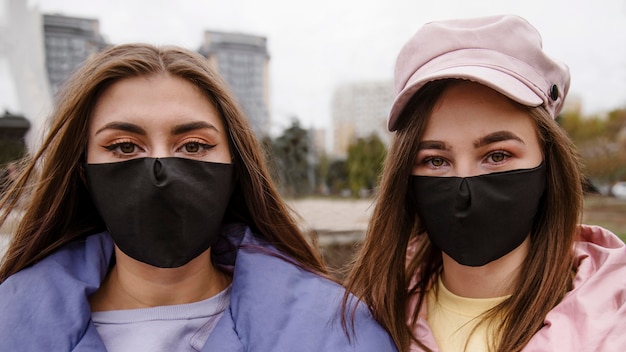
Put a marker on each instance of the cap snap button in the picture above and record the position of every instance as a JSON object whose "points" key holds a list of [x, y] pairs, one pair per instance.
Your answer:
{"points": [[554, 92]]}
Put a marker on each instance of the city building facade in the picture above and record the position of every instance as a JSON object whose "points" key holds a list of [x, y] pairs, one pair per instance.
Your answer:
{"points": [[243, 62], [360, 110], [69, 41]]}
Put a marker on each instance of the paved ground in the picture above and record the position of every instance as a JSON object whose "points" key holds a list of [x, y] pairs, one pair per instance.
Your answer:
{"points": [[340, 224], [334, 220], [343, 221], [333, 215]]}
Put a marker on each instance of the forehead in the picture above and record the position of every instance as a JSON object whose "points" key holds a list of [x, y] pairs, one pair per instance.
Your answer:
{"points": [[470, 107], [154, 98]]}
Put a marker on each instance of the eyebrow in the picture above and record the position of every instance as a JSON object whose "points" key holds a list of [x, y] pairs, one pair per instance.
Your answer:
{"points": [[496, 137], [122, 126], [196, 125], [179, 129], [433, 145]]}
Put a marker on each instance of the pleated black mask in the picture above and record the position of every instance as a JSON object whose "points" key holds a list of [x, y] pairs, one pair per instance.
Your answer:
{"points": [[476, 220], [162, 211]]}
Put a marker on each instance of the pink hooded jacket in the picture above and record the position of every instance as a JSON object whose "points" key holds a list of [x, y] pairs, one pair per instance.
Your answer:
{"points": [[591, 317]]}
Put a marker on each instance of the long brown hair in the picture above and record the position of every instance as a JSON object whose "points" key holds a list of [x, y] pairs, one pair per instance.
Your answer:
{"points": [[57, 206], [384, 279]]}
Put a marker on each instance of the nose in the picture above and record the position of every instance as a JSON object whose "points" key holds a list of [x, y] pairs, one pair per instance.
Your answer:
{"points": [[466, 168], [158, 172], [160, 151]]}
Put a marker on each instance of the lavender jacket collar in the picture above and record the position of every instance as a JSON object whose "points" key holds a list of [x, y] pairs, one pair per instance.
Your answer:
{"points": [[275, 306]]}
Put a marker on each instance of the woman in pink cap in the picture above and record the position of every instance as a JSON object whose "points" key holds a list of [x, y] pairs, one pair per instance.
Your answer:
{"points": [[475, 242]]}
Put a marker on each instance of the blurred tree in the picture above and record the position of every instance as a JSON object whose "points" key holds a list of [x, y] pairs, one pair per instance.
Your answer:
{"points": [[364, 163], [290, 154], [270, 157], [321, 172], [600, 143], [13, 128], [337, 176], [582, 129], [605, 161], [11, 150], [616, 124]]}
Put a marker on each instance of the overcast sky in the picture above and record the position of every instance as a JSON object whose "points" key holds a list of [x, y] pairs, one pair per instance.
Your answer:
{"points": [[317, 45]]}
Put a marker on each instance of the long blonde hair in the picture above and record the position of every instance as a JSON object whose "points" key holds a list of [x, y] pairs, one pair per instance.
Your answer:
{"points": [[381, 275], [57, 206]]}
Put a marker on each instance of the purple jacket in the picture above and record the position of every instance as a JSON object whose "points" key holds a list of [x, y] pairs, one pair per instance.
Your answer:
{"points": [[274, 305], [591, 317]]}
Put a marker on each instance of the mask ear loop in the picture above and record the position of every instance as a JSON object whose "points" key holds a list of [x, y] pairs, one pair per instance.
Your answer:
{"points": [[81, 168], [233, 159], [81, 174]]}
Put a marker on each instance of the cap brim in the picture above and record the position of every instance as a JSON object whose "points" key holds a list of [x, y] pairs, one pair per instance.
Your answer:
{"points": [[497, 80]]}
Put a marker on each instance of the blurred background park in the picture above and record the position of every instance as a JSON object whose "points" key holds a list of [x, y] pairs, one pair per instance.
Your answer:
{"points": [[316, 84]]}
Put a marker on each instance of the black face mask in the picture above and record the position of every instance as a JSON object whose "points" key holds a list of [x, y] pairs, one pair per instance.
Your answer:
{"points": [[163, 212], [476, 220]]}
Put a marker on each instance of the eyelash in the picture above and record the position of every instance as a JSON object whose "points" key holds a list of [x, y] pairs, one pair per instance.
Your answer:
{"points": [[114, 148], [504, 154], [429, 159], [204, 146]]}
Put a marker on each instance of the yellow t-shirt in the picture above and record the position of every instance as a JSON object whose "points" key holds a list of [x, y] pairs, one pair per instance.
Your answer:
{"points": [[450, 318]]}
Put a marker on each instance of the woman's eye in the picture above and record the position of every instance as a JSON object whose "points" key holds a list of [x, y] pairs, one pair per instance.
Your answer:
{"points": [[192, 147], [498, 157], [127, 148], [433, 162], [122, 148], [436, 162], [196, 147]]}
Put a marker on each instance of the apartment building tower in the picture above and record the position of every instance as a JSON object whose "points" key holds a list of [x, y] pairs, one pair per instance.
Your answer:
{"points": [[359, 110], [68, 41], [242, 60]]}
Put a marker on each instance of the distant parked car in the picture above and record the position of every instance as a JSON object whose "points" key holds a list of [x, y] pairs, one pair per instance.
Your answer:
{"points": [[619, 190]]}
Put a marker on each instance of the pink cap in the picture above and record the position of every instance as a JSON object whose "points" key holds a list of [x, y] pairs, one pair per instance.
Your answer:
{"points": [[501, 52]]}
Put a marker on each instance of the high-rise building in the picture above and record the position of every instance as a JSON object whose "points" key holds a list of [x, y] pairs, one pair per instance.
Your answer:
{"points": [[318, 140], [242, 60], [360, 110], [69, 41]]}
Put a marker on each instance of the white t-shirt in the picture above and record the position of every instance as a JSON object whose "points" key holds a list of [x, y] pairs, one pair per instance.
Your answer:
{"points": [[183, 327]]}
